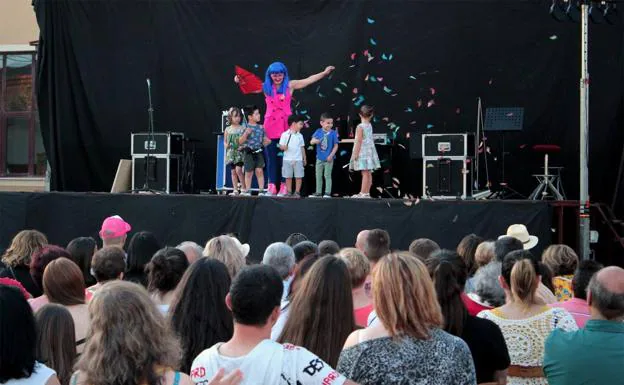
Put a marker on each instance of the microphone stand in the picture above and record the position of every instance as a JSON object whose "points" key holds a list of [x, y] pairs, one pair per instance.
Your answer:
{"points": [[150, 141]]}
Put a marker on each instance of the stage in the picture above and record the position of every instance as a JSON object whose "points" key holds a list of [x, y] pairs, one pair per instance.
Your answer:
{"points": [[260, 221]]}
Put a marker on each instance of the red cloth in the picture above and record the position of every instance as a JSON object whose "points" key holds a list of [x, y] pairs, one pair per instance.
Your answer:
{"points": [[473, 307], [247, 81], [361, 315]]}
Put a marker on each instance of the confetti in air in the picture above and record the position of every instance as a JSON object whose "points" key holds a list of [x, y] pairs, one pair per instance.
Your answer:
{"points": [[372, 41], [457, 111], [412, 77], [432, 90], [365, 53], [370, 21], [419, 103], [353, 56], [390, 57], [510, 114], [553, 37], [430, 103], [430, 126], [387, 90], [256, 66], [355, 90], [408, 109], [491, 81], [343, 84], [370, 58], [413, 122], [402, 146], [339, 90], [358, 101], [384, 57], [343, 152], [379, 78], [372, 79]]}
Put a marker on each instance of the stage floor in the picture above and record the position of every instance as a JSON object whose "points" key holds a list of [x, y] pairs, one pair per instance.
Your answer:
{"points": [[262, 220]]}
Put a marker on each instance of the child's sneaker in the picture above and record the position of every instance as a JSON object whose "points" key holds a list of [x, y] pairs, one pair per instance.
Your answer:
{"points": [[245, 193], [326, 196], [272, 190], [283, 191], [316, 195], [295, 195]]}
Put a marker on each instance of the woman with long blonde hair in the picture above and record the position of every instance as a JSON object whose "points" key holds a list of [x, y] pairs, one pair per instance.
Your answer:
{"points": [[408, 345], [16, 259], [226, 250]]}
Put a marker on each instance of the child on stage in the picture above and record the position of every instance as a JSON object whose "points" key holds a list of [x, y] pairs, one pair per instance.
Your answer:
{"points": [[278, 89], [292, 143], [364, 157], [326, 141], [234, 157], [252, 142]]}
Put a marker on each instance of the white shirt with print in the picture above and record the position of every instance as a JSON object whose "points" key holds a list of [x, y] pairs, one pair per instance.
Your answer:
{"points": [[295, 143]]}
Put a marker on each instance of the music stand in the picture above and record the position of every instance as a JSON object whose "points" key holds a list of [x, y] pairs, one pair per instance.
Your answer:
{"points": [[503, 120]]}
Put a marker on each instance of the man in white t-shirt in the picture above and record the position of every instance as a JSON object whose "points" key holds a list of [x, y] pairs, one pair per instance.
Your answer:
{"points": [[254, 300], [292, 144]]}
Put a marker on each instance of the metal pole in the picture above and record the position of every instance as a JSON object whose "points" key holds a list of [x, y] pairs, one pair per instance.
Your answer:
{"points": [[584, 232]]}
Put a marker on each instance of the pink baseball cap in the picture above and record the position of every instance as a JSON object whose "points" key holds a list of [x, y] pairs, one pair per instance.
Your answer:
{"points": [[114, 227]]}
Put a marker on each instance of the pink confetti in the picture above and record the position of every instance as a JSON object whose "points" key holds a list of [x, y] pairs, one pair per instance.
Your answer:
{"points": [[432, 90], [419, 103], [366, 53], [380, 78], [407, 135], [457, 111], [355, 90], [353, 56], [430, 103], [522, 145]]}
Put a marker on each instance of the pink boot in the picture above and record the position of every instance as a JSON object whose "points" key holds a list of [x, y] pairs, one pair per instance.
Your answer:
{"points": [[283, 191], [272, 190]]}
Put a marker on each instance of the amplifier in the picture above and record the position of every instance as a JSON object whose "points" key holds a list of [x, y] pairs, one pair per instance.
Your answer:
{"points": [[159, 143], [163, 172], [447, 178], [436, 145]]}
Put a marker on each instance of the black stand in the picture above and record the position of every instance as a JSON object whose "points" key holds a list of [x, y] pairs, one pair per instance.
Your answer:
{"points": [[503, 120], [148, 156]]}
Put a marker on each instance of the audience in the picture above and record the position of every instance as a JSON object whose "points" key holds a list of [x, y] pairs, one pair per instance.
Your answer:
{"points": [[303, 250], [226, 250], [201, 298], [164, 272], [328, 247], [114, 231], [484, 339], [254, 300], [466, 249], [423, 248], [408, 345], [16, 259], [505, 245], [359, 269], [82, 250], [521, 233], [142, 247], [577, 305], [562, 261], [192, 250], [18, 343], [377, 245], [40, 261], [321, 315], [108, 264], [360, 240], [129, 344], [295, 238], [488, 292], [525, 321], [55, 340], [593, 355], [281, 257]]}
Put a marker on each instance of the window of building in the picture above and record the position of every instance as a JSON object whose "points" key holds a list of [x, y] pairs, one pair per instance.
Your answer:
{"points": [[21, 144]]}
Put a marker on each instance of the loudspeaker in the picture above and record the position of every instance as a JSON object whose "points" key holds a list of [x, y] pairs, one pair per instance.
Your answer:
{"points": [[163, 173], [415, 145], [447, 178]]}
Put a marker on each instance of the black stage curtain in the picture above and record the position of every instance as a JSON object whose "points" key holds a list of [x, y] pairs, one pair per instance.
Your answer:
{"points": [[432, 59], [260, 221]]}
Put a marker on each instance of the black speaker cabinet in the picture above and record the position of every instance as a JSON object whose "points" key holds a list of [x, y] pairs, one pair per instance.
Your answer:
{"points": [[163, 172], [447, 178]]}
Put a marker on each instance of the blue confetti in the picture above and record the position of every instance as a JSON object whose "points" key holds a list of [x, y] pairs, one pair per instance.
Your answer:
{"points": [[343, 152], [359, 100], [370, 21], [390, 57], [429, 126], [384, 57], [321, 95], [387, 90], [372, 41], [372, 79], [255, 66], [303, 112], [343, 84], [408, 109]]}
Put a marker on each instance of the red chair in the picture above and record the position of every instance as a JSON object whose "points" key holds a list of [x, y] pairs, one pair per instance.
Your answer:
{"points": [[550, 181]]}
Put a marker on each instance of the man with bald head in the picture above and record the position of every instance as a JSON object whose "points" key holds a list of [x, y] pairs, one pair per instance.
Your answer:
{"points": [[595, 354], [360, 241]]}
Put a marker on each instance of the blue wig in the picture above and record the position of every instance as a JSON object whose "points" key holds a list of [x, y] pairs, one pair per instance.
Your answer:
{"points": [[274, 68]]}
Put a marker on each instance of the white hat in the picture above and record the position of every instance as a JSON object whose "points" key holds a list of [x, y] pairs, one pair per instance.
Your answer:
{"points": [[521, 233], [244, 248]]}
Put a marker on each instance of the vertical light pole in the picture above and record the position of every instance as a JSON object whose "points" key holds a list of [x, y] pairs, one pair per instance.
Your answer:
{"points": [[584, 231]]}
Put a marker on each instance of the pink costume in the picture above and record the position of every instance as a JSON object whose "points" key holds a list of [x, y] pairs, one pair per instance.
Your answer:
{"points": [[277, 113]]}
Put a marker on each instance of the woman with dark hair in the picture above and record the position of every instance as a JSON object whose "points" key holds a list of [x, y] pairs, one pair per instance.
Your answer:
{"points": [[200, 298], [142, 247], [15, 262], [483, 337], [524, 320], [18, 340], [321, 315], [562, 261], [40, 260], [164, 272], [63, 284], [466, 249], [55, 340], [82, 250]]}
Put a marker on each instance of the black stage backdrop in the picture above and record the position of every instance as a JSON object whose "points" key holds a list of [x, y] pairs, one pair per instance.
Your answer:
{"points": [[423, 64], [260, 221]]}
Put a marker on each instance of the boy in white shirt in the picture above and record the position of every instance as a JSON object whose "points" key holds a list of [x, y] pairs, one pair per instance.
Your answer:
{"points": [[292, 144], [254, 300]]}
